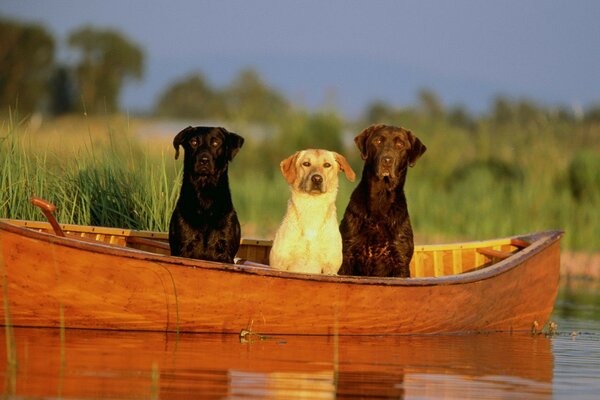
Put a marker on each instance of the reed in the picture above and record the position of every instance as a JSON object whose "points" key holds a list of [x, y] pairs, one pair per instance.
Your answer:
{"points": [[10, 379], [504, 182], [63, 355], [155, 381], [95, 180], [468, 185]]}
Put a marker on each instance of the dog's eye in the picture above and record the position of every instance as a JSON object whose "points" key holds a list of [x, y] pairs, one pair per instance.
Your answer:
{"points": [[306, 164], [399, 144], [215, 142], [194, 142], [327, 165], [378, 140]]}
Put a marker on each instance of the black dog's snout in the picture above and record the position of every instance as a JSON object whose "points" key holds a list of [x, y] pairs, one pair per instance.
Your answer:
{"points": [[318, 179], [387, 160], [204, 164]]}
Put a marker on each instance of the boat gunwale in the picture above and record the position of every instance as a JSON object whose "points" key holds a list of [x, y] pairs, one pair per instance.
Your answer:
{"points": [[538, 242]]}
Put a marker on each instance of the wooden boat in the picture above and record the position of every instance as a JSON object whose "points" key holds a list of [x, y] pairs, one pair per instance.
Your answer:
{"points": [[109, 278]]}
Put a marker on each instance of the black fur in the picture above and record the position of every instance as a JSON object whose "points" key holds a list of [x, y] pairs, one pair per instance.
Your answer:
{"points": [[204, 224], [377, 237]]}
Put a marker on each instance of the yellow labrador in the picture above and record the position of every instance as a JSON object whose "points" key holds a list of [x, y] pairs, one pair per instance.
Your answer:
{"points": [[308, 240]]}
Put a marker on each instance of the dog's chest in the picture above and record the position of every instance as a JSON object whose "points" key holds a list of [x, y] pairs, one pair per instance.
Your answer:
{"points": [[315, 231], [313, 217], [311, 233], [312, 228]]}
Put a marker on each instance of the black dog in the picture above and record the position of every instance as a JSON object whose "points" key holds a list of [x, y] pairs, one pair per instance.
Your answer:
{"points": [[377, 237], [204, 224]]}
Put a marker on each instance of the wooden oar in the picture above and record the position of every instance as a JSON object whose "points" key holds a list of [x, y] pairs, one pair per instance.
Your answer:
{"points": [[48, 208]]}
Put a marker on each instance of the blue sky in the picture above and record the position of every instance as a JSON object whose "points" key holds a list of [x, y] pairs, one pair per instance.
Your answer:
{"points": [[349, 53]]}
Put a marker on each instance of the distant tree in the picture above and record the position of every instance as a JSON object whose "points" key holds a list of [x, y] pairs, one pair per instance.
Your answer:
{"points": [[249, 98], [62, 91], [527, 113], [190, 97], [106, 61], [459, 117], [302, 130], [502, 111], [378, 112], [592, 114], [328, 127], [524, 113], [430, 104], [27, 54]]}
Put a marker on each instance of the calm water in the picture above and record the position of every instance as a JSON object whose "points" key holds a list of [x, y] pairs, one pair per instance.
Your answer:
{"points": [[103, 364]]}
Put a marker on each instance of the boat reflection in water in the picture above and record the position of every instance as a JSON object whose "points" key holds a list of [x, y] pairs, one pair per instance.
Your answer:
{"points": [[118, 364]]}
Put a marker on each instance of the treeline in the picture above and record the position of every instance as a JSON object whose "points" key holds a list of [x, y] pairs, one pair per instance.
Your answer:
{"points": [[32, 80]]}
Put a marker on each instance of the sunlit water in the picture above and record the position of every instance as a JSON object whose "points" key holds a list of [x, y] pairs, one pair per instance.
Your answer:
{"points": [[48, 363]]}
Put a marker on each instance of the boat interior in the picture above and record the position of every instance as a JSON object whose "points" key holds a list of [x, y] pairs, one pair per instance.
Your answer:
{"points": [[428, 260]]}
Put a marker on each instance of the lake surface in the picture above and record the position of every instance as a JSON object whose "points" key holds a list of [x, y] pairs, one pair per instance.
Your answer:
{"points": [[86, 364]]}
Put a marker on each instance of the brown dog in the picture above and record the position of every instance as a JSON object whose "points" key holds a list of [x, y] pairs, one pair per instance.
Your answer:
{"points": [[376, 231], [308, 240]]}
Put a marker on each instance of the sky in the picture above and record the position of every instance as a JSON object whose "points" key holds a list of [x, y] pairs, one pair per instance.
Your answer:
{"points": [[348, 53]]}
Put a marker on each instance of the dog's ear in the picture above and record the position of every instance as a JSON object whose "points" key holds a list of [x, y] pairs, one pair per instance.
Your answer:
{"points": [[344, 166], [362, 138], [180, 138], [234, 143], [417, 148], [288, 168]]}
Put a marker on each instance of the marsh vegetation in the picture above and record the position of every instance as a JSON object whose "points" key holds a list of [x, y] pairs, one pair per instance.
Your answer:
{"points": [[533, 169]]}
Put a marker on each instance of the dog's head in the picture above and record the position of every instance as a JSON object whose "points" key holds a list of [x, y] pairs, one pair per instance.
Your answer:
{"points": [[314, 171], [388, 150], [208, 150]]}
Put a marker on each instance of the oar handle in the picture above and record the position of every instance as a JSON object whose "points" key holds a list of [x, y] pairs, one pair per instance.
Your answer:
{"points": [[48, 208]]}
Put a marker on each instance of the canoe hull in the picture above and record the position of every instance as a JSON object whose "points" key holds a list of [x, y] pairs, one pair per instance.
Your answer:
{"points": [[57, 282]]}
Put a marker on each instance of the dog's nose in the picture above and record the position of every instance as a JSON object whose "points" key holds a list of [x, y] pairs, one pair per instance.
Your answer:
{"points": [[203, 160], [387, 160], [316, 178]]}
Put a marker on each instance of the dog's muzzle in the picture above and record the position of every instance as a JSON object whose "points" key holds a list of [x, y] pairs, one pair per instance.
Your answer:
{"points": [[204, 164], [316, 183], [386, 167]]}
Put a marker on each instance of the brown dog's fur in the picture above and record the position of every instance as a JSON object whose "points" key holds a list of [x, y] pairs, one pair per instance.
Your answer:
{"points": [[376, 231], [308, 240]]}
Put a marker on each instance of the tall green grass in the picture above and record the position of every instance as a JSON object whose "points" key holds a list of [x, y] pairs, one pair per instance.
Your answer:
{"points": [[503, 181], [106, 183], [469, 184]]}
